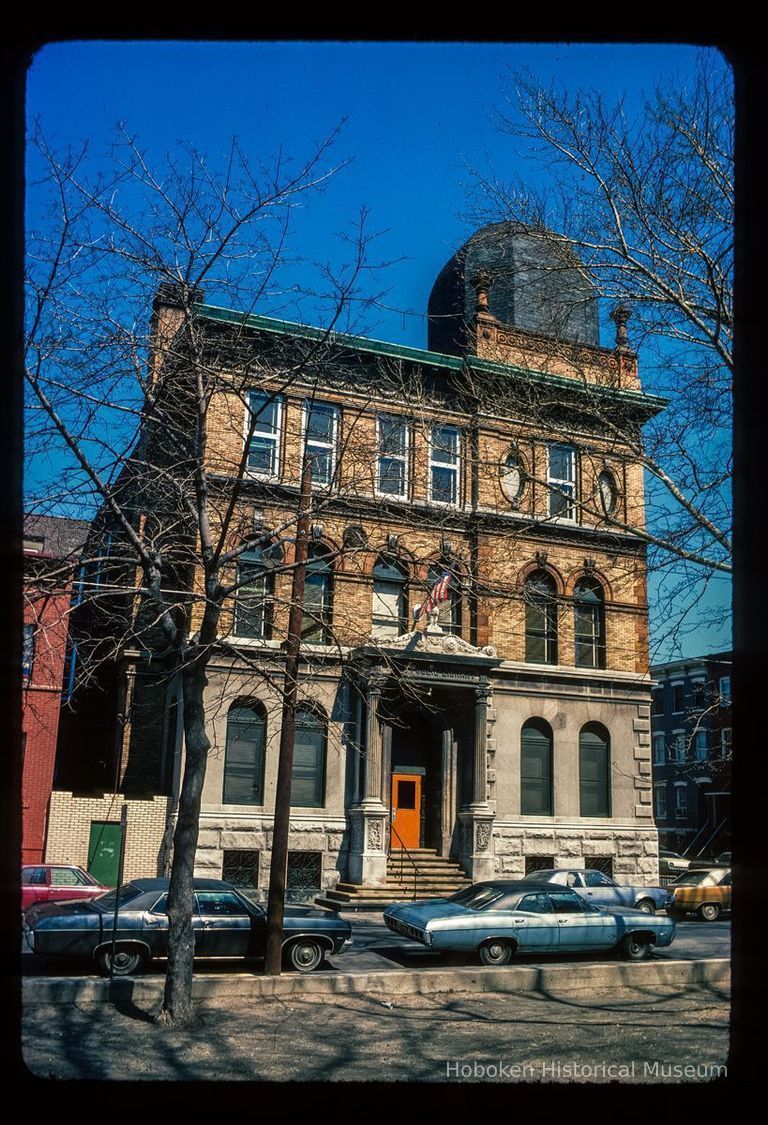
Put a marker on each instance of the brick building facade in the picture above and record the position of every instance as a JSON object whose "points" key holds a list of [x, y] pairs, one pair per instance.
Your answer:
{"points": [[508, 729], [691, 722], [51, 546]]}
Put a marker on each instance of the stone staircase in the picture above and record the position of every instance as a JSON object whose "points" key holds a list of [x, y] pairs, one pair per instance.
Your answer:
{"points": [[432, 877]]}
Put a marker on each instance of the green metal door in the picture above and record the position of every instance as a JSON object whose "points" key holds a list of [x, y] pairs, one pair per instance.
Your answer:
{"points": [[104, 851]]}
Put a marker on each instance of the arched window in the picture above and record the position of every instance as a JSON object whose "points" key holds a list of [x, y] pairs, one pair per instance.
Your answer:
{"points": [[308, 785], [589, 623], [318, 596], [595, 770], [254, 598], [449, 616], [536, 768], [244, 755], [540, 594], [388, 609]]}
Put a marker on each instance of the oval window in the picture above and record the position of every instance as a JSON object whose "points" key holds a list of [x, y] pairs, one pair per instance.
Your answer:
{"points": [[609, 493], [513, 478]]}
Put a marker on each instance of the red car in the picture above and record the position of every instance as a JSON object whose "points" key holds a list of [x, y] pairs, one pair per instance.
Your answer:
{"points": [[55, 882]]}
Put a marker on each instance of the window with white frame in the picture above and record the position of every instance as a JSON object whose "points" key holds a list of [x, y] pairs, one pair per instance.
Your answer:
{"points": [[700, 746], [392, 443], [658, 749], [681, 800], [321, 424], [678, 746], [725, 742], [725, 689], [266, 417], [660, 802], [561, 480], [28, 649], [678, 699], [444, 464]]}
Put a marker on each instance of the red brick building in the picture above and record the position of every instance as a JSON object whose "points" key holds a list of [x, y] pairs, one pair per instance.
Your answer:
{"points": [[51, 547]]}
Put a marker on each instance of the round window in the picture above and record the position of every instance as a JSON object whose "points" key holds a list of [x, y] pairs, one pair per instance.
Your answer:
{"points": [[513, 478], [609, 493]]}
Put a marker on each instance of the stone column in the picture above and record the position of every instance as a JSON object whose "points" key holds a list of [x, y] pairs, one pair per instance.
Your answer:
{"points": [[448, 780], [369, 821], [477, 819], [480, 749]]}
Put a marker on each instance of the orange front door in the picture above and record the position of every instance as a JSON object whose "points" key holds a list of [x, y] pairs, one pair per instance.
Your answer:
{"points": [[406, 810]]}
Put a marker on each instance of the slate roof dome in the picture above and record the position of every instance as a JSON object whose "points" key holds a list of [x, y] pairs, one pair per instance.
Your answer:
{"points": [[536, 284]]}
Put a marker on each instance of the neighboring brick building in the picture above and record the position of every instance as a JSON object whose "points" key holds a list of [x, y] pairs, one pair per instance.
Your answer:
{"points": [[51, 546], [513, 732], [692, 754]]}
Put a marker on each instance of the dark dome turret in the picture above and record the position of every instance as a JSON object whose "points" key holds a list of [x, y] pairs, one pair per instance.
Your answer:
{"points": [[534, 282]]}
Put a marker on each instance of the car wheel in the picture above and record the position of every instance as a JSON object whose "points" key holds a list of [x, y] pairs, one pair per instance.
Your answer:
{"points": [[496, 953], [127, 962], [647, 906], [304, 955], [634, 948], [709, 911]]}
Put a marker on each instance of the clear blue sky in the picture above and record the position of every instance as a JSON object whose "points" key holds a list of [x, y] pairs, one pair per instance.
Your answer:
{"points": [[418, 117]]}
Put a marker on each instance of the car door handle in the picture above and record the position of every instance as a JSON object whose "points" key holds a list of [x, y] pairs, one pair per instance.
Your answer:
{"points": [[562, 921], [519, 921]]}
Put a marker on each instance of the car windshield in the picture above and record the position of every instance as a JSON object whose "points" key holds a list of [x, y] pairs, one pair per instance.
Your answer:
{"points": [[477, 898], [126, 894]]}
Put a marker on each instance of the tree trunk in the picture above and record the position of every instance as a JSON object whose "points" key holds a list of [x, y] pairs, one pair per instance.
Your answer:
{"points": [[177, 1001]]}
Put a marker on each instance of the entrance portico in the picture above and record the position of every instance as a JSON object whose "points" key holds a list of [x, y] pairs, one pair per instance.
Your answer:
{"points": [[424, 780]]}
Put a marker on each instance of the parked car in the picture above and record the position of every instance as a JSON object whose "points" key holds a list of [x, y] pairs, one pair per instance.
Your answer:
{"points": [[226, 924], [56, 882], [706, 893], [602, 890], [496, 920], [670, 863]]}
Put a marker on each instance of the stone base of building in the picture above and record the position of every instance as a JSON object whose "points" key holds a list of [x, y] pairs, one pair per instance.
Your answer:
{"points": [[631, 853]]}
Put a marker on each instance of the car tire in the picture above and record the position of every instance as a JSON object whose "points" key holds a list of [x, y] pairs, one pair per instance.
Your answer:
{"points": [[496, 952], [709, 911], [127, 961], [634, 948], [647, 906], [304, 955]]}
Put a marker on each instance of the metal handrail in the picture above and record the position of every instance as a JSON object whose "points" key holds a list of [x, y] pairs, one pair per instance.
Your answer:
{"points": [[402, 849]]}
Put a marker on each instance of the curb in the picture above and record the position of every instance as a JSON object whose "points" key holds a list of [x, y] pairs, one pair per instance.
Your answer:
{"points": [[533, 978]]}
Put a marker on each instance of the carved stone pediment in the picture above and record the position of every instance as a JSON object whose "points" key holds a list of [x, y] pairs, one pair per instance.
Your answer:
{"points": [[433, 641]]}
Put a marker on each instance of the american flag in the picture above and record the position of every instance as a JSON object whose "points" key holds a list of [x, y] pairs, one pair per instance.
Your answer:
{"points": [[438, 593]]}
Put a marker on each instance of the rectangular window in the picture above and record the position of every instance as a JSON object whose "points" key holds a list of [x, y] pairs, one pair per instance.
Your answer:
{"points": [[725, 689], [321, 424], [658, 749], [264, 448], [538, 863], [253, 603], [681, 801], [725, 742], [392, 442], [308, 785], [660, 802], [678, 746], [700, 746], [602, 863], [561, 480], [28, 649], [304, 876], [658, 701], [241, 868], [444, 464], [678, 699]]}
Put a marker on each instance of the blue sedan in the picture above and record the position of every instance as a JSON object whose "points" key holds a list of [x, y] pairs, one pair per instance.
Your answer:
{"points": [[602, 890], [499, 919]]}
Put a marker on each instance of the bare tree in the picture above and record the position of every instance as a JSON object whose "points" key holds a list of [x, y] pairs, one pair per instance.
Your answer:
{"points": [[645, 198], [121, 375]]}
